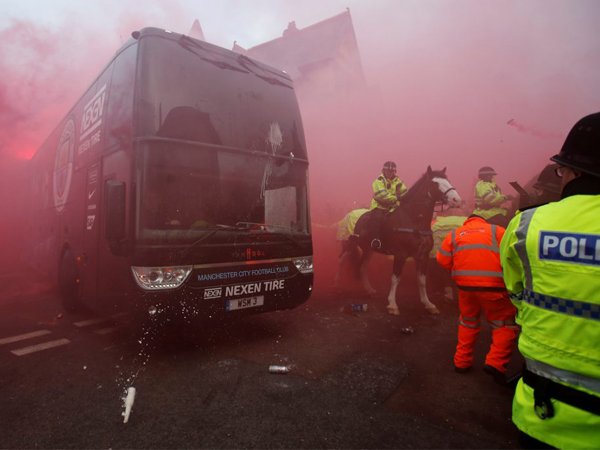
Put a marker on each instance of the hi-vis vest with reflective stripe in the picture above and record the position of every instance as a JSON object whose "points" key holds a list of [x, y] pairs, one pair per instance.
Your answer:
{"points": [[488, 199], [551, 261], [384, 192], [472, 253], [345, 227], [440, 227]]}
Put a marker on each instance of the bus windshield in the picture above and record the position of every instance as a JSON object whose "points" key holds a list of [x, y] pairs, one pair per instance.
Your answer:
{"points": [[187, 189], [220, 144], [197, 92]]}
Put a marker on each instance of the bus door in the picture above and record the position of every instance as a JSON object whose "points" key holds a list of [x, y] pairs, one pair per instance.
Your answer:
{"points": [[114, 268]]}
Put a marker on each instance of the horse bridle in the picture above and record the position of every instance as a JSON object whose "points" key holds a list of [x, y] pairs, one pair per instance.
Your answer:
{"points": [[452, 188], [442, 202]]}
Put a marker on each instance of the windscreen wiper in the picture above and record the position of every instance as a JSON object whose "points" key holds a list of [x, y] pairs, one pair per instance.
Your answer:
{"points": [[266, 228], [188, 44], [250, 65], [210, 231]]}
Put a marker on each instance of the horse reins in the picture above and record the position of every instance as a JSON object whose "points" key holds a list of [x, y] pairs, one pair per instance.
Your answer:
{"points": [[425, 232]]}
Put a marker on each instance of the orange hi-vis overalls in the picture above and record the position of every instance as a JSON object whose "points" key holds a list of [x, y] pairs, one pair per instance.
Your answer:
{"points": [[471, 252]]}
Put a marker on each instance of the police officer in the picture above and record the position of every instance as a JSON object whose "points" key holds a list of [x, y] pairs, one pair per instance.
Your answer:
{"points": [[489, 198], [388, 189], [551, 262]]}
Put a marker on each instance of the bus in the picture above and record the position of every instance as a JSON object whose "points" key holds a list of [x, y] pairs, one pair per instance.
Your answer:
{"points": [[177, 182]]}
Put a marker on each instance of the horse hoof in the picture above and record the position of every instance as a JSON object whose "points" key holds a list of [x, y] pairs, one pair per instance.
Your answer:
{"points": [[393, 310], [432, 309]]}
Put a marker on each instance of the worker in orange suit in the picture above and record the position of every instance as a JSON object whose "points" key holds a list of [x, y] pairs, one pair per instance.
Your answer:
{"points": [[471, 254]]}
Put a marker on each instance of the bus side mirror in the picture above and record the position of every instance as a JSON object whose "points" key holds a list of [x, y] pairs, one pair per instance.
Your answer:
{"points": [[115, 210]]}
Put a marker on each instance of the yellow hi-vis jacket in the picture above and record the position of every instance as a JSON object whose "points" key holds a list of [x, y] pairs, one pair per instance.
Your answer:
{"points": [[488, 200], [551, 263], [387, 193], [440, 227], [345, 227]]}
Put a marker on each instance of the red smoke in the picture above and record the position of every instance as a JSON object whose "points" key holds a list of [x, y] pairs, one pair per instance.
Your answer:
{"points": [[44, 71], [444, 79], [42, 76]]}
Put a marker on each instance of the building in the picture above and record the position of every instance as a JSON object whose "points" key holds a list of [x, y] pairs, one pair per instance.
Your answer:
{"points": [[322, 58]]}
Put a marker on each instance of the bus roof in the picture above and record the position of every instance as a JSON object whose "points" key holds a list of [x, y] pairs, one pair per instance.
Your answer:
{"points": [[218, 54]]}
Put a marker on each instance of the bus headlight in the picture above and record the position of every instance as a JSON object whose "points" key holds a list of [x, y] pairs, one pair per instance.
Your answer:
{"points": [[304, 265], [156, 278]]}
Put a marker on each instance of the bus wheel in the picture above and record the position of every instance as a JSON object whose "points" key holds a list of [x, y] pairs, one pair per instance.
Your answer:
{"points": [[68, 282]]}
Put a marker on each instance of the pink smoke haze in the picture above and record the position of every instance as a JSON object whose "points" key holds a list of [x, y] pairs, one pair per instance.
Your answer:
{"points": [[457, 84]]}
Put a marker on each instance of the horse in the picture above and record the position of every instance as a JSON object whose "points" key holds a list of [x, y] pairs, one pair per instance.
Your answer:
{"points": [[406, 231]]}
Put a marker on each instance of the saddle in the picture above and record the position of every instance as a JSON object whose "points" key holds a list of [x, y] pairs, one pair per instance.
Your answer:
{"points": [[370, 224]]}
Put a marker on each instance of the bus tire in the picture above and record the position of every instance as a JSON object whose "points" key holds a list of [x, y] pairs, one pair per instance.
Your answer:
{"points": [[68, 285]]}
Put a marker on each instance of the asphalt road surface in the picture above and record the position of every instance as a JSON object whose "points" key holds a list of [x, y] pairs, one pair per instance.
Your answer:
{"points": [[356, 380]]}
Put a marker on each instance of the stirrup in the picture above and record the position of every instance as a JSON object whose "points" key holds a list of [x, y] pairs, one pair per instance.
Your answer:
{"points": [[375, 244]]}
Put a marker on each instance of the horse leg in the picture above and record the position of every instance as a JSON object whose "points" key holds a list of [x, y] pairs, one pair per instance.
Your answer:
{"points": [[392, 306], [366, 256], [422, 279]]}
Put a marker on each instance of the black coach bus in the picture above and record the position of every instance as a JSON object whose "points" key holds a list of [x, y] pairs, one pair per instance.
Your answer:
{"points": [[178, 181]]}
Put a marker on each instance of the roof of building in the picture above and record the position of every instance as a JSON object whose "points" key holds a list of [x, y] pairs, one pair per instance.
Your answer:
{"points": [[196, 31], [297, 51]]}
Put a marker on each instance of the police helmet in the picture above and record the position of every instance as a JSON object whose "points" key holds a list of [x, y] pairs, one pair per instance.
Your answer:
{"points": [[581, 150], [548, 180], [389, 165], [487, 171]]}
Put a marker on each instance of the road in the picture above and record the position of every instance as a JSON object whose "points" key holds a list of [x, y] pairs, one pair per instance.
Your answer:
{"points": [[356, 380]]}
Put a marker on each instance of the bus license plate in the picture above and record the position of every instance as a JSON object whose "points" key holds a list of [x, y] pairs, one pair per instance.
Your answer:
{"points": [[243, 303]]}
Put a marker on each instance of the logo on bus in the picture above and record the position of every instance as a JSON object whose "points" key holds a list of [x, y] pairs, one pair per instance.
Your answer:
{"points": [[63, 165], [248, 253], [92, 113], [212, 293]]}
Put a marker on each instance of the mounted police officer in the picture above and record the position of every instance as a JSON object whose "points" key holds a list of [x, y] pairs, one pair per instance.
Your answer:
{"points": [[489, 198], [551, 263], [388, 189]]}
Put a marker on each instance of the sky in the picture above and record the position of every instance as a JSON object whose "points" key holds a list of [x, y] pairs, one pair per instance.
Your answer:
{"points": [[452, 83]]}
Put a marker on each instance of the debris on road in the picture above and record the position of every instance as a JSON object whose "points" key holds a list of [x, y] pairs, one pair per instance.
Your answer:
{"points": [[128, 403], [359, 307], [279, 369]]}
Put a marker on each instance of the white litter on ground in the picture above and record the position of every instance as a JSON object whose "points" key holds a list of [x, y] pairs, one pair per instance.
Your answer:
{"points": [[128, 403]]}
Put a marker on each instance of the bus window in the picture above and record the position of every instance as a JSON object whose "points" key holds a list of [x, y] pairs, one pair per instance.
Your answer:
{"points": [[120, 103]]}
